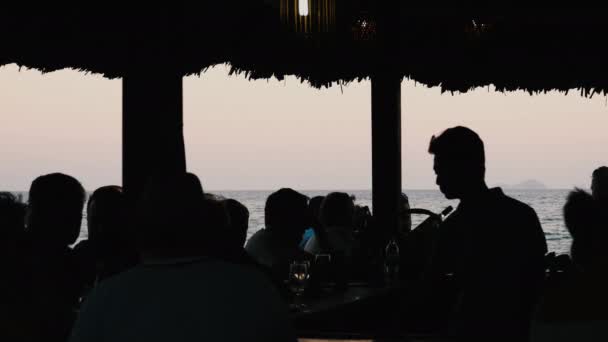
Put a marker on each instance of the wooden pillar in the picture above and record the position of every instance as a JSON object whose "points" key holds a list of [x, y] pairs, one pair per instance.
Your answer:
{"points": [[152, 131], [386, 152]]}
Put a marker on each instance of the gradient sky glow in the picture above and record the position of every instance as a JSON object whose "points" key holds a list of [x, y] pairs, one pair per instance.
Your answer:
{"points": [[267, 134]]}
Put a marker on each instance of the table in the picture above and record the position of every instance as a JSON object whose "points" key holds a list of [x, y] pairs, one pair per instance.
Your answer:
{"points": [[329, 300], [359, 311], [362, 312]]}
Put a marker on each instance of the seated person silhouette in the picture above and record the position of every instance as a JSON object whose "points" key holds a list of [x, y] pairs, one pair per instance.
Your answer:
{"points": [[12, 224], [575, 307], [314, 207], [194, 183], [337, 218], [109, 248], [233, 238], [177, 293], [53, 219], [492, 244], [599, 186], [223, 239], [239, 221], [286, 217]]}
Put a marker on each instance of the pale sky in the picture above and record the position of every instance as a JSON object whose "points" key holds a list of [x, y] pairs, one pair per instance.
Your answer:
{"points": [[268, 134]]}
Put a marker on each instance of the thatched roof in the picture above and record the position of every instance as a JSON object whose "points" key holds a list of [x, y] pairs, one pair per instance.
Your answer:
{"points": [[114, 39], [455, 48]]}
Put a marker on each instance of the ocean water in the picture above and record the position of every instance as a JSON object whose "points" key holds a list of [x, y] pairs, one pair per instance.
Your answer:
{"points": [[547, 203]]}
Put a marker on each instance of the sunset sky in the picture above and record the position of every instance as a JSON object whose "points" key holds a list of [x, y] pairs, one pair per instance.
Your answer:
{"points": [[267, 134]]}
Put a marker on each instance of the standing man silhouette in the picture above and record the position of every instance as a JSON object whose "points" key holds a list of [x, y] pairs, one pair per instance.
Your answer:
{"points": [[492, 244]]}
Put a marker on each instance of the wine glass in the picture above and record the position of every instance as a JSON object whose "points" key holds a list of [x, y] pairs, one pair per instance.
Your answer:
{"points": [[322, 259], [299, 275], [322, 266]]}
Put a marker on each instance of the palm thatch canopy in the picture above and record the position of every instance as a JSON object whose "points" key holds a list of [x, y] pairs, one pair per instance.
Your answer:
{"points": [[455, 47], [116, 39]]}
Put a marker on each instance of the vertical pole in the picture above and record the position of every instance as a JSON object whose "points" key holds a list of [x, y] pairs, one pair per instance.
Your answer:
{"points": [[386, 152], [152, 132]]}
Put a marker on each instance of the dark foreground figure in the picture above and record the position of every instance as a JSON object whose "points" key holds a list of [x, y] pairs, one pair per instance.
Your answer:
{"points": [[54, 283], [14, 316], [178, 293]]}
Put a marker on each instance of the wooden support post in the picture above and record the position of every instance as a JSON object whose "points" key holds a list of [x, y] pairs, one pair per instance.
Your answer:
{"points": [[152, 132], [386, 152]]}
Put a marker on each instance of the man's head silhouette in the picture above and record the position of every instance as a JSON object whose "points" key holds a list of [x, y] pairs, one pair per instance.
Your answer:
{"points": [[55, 208], [286, 212], [599, 184], [459, 162]]}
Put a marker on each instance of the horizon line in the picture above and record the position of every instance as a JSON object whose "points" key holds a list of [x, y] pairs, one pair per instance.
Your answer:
{"points": [[330, 190], [344, 189]]}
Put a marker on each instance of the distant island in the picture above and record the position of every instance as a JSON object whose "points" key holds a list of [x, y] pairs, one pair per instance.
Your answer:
{"points": [[530, 184]]}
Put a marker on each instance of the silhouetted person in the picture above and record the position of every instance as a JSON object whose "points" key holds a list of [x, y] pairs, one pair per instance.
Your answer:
{"points": [[362, 218], [316, 228], [239, 221], [582, 212], [229, 235], [194, 183], [575, 307], [54, 217], [109, 248], [599, 185], [14, 309], [177, 293], [12, 219], [286, 217], [12, 225], [585, 219], [492, 244], [367, 236], [337, 217], [216, 237]]}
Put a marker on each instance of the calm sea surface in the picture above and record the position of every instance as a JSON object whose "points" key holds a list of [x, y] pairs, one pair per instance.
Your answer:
{"points": [[547, 203]]}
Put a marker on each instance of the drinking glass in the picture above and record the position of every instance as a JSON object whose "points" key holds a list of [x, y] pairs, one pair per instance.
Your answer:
{"points": [[299, 275], [322, 268]]}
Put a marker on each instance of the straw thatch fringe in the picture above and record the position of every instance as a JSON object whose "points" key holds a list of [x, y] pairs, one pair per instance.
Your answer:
{"points": [[455, 48]]}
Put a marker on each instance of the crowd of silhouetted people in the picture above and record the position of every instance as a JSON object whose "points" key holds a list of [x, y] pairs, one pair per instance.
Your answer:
{"points": [[177, 264]]}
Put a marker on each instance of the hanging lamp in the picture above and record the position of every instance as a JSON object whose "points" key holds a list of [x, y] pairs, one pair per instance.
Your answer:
{"points": [[309, 16]]}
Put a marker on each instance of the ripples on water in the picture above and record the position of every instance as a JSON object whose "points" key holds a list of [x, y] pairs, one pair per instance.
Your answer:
{"points": [[547, 203]]}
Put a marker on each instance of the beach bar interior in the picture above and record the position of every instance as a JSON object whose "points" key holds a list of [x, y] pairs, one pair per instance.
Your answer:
{"points": [[457, 46]]}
